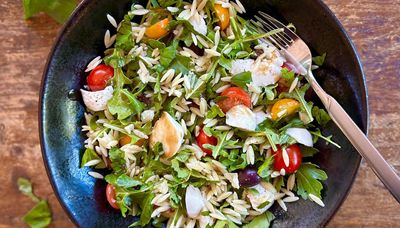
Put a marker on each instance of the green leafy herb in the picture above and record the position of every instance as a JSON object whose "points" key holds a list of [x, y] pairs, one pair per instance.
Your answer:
{"points": [[321, 116], [265, 170], [39, 216], [308, 178], [263, 221], [59, 10], [147, 209], [117, 159], [317, 134], [215, 111], [220, 224], [25, 186], [90, 155], [168, 54], [288, 75], [308, 151], [319, 60], [127, 182], [242, 79]]}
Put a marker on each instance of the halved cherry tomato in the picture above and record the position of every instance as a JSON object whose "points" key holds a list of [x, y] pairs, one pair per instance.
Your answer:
{"points": [[202, 139], [99, 77], [111, 197], [294, 155], [223, 16], [284, 107], [234, 96], [157, 30]]}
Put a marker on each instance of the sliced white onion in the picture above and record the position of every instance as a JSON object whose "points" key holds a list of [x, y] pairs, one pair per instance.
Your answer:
{"points": [[301, 135], [194, 201], [97, 100], [241, 117]]}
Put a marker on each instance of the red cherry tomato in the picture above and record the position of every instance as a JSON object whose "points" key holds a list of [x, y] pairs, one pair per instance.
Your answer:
{"points": [[111, 197], [234, 96], [202, 139], [294, 155], [98, 78]]}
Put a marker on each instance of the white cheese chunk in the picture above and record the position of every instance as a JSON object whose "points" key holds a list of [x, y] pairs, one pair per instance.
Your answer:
{"points": [[242, 117], [169, 133], [301, 135], [97, 100]]}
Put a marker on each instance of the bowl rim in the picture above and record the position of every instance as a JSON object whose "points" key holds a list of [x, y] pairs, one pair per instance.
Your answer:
{"points": [[80, 8]]}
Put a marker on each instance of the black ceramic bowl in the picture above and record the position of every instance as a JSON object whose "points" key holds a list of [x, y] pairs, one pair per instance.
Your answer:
{"points": [[61, 116]]}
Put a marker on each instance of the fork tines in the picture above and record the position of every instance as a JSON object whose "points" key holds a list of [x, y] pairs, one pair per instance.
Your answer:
{"points": [[267, 23]]}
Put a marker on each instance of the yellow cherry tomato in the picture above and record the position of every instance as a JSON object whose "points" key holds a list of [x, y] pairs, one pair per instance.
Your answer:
{"points": [[284, 107], [126, 139], [157, 30], [223, 16]]}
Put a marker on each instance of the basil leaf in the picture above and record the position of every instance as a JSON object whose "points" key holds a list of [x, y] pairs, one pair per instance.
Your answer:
{"points": [[319, 60], [25, 186], [263, 220], [59, 10], [90, 155], [39, 216], [308, 178], [241, 79]]}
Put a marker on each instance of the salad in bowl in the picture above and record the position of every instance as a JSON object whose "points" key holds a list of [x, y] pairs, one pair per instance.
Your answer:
{"points": [[199, 120]]}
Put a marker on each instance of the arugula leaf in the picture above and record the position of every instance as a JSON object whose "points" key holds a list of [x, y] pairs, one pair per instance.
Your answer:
{"points": [[182, 173], [265, 170], [118, 106], [220, 224], [25, 186], [59, 10], [90, 155], [147, 209], [279, 183], [308, 178], [231, 224], [242, 79], [317, 134], [194, 85], [127, 182], [288, 75], [215, 111], [168, 54], [321, 116], [136, 105], [299, 95], [261, 221], [39, 216], [319, 60], [124, 39], [308, 151], [117, 158], [181, 64], [225, 62]]}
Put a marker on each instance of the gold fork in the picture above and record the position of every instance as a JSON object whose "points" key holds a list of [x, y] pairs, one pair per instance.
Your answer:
{"points": [[297, 52]]}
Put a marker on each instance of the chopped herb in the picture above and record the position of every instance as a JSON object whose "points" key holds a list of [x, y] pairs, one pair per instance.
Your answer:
{"points": [[319, 60]]}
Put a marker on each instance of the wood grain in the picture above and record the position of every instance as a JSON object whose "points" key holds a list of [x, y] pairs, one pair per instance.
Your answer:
{"points": [[374, 26]]}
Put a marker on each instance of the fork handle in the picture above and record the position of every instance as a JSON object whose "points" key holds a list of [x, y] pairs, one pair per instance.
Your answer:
{"points": [[375, 160]]}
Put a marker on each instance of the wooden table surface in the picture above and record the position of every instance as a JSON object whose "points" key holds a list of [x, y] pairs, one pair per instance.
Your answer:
{"points": [[374, 26]]}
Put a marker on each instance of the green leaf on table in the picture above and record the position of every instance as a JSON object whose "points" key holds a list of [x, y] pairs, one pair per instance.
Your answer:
{"points": [[90, 155], [319, 60], [25, 186], [308, 178], [59, 10], [261, 221], [39, 216], [241, 79]]}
